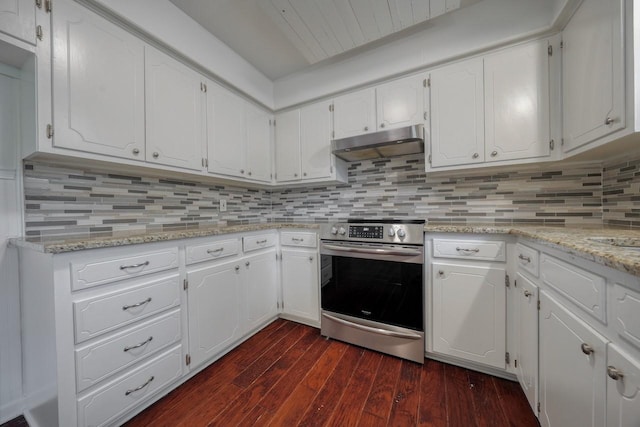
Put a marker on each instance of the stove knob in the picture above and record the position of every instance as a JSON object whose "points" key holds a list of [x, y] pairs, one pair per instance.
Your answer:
{"points": [[401, 233], [391, 232], [334, 231], [342, 231]]}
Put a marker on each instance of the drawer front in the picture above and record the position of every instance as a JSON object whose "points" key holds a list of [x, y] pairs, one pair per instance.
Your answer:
{"points": [[626, 309], [584, 288], [258, 241], [107, 403], [307, 240], [469, 249], [212, 251], [98, 272], [97, 315], [527, 259], [99, 360]]}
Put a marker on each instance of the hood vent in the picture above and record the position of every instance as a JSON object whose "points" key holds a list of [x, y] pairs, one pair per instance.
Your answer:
{"points": [[387, 143]]}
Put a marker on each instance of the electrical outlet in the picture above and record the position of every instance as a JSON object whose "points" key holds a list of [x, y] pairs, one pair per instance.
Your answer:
{"points": [[223, 205]]}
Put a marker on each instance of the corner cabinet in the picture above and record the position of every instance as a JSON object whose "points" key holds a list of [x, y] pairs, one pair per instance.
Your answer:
{"points": [[18, 19]]}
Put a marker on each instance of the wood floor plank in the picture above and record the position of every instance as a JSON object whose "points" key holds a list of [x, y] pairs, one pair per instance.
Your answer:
{"points": [[349, 408], [433, 403], [322, 406], [404, 411], [514, 404], [380, 398], [488, 410], [459, 398]]}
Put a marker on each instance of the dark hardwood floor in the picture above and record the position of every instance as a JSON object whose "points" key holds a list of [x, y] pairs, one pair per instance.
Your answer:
{"points": [[288, 375]]}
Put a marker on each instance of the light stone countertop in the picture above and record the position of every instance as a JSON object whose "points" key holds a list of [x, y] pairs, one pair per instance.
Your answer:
{"points": [[73, 244], [605, 246]]}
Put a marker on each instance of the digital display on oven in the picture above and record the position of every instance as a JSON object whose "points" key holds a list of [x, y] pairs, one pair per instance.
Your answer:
{"points": [[366, 231]]}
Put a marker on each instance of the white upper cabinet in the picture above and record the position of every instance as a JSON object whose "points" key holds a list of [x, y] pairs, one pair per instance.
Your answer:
{"points": [[593, 73], [400, 103], [98, 84], [18, 19], [288, 146], [258, 148], [226, 131], [516, 84], [457, 114], [355, 113], [315, 140], [174, 97]]}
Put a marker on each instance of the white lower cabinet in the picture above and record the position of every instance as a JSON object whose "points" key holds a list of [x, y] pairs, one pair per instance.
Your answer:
{"points": [[261, 289], [299, 275], [572, 366], [623, 388], [469, 309], [526, 356]]}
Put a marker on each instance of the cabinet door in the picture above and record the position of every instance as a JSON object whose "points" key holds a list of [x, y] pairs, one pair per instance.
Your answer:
{"points": [[572, 369], [457, 114], [258, 154], [354, 114], [261, 290], [98, 84], [516, 82], [469, 308], [174, 97], [300, 284], [400, 103], [593, 101], [18, 19], [623, 391], [226, 131], [215, 318], [315, 141], [288, 146], [527, 338]]}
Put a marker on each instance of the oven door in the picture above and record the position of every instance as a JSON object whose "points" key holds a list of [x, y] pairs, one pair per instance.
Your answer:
{"points": [[380, 283]]}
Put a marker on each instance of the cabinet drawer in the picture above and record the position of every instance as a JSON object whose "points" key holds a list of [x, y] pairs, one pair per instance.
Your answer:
{"points": [[96, 315], [101, 359], [527, 259], [211, 251], [625, 307], [307, 240], [100, 271], [585, 289], [258, 241], [105, 404], [469, 249]]}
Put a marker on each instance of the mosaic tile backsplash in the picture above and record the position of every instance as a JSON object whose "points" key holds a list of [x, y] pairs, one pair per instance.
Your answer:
{"points": [[63, 201]]}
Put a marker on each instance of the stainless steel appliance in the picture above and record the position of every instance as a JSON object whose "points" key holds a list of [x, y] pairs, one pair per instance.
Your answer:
{"points": [[372, 290], [385, 143]]}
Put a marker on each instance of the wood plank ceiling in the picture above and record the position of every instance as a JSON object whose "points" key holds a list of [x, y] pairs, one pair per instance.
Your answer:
{"points": [[320, 29]]}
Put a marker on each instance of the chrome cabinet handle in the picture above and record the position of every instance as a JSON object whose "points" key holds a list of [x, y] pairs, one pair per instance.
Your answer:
{"points": [[475, 250], [156, 155], [524, 258], [608, 121], [138, 304], [475, 155], [142, 264], [304, 174], [247, 263], [527, 293], [237, 267], [586, 348], [366, 128], [261, 242], [241, 170], [381, 125], [295, 175], [614, 373], [140, 387], [131, 347], [135, 151], [494, 153], [440, 273], [249, 173], [296, 239], [215, 251], [310, 258]]}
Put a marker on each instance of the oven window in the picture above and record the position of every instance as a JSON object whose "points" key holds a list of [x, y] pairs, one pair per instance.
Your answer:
{"points": [[381, 291]]}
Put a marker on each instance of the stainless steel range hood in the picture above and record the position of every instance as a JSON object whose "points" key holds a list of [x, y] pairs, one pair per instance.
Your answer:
{"points": [[386, 143]]}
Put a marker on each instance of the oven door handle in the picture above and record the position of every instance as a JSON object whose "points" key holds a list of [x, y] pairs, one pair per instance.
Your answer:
{"points": [[374, 330], [376, 251]]}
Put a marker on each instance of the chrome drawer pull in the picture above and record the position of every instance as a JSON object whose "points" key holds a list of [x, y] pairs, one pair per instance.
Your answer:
{"points": [[140, 387], [614, 373], [142, 264], [215, 251], [527, 293], [586, 348], [297, 239], [148, 340], [138, 304], [524, 258], [261, 242], [476, 250]]}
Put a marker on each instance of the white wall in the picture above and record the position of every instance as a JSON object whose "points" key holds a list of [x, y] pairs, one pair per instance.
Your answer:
{"points": [[10, 226]]}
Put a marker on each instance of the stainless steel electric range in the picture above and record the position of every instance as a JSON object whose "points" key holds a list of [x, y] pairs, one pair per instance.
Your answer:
{"points": [[372, 290]]}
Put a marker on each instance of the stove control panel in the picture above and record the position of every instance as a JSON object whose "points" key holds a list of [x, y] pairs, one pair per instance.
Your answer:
{"points": [[375, 232], [366, 231]]}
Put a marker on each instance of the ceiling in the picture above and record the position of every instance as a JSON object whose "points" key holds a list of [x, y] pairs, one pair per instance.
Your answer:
{"points": [[282, 37]]}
